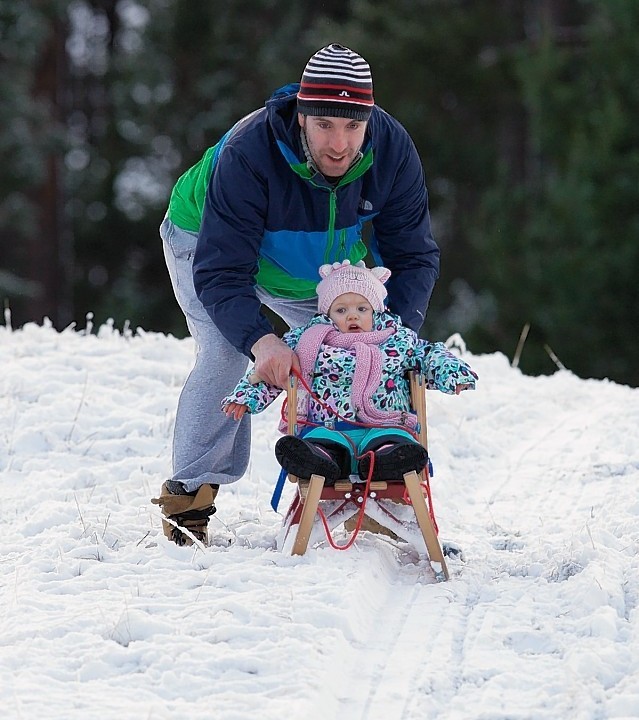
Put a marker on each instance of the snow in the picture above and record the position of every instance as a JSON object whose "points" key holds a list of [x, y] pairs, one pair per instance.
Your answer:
{"points": [[535, 477]]}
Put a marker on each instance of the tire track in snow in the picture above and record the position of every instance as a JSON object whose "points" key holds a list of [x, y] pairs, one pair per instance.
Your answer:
{"points": [[410, 665], [412, 645]]}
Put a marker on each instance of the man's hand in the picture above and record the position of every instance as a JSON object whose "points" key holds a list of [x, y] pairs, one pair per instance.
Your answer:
{"points": [[274, 361]]}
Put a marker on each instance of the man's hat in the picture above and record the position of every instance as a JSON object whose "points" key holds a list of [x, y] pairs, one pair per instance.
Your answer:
{"points": [[336, 82]]}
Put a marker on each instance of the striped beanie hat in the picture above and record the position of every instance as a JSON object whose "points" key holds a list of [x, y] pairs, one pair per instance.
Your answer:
{"points": [[336, 82]]}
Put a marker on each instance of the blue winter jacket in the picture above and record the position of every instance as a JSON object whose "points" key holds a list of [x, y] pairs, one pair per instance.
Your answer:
{"points": [[269, 215]]}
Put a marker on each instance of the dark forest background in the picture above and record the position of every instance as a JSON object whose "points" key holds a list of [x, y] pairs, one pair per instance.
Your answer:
{"points": [[525, 113]]}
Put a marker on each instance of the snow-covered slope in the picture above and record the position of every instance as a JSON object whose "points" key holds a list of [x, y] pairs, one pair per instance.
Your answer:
{"points": [[536, 478]]}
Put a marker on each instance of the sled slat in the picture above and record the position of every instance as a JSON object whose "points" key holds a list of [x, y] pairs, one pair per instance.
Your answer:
{"points": [[425, 523], [311, 501]]}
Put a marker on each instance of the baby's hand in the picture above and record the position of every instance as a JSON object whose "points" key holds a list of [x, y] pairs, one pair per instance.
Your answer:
{"points": [[465, 386], [235, 410]]}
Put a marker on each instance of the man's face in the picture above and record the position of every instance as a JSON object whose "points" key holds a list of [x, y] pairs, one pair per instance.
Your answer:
{"points": [[352, 313], [333, 142]]}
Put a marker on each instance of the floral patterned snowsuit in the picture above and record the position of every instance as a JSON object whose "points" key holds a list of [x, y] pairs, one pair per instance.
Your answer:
{"points": [[334, 370]]}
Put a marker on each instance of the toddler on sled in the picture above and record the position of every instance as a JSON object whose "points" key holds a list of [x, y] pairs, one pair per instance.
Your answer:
{"points": [[354, 357]]}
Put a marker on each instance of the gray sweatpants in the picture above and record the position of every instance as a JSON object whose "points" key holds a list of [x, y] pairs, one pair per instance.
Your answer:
{"points": [[208, 447]]}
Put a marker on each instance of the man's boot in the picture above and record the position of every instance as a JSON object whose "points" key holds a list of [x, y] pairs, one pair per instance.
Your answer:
{"points": [[190, 511]]}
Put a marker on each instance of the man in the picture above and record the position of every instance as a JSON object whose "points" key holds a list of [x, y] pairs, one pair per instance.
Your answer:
{"points": [[286, 190]]}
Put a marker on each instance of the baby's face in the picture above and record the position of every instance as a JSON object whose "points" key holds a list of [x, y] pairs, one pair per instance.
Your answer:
{"points": [[352, 313]]}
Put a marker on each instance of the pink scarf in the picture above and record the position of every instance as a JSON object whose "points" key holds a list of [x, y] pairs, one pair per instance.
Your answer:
{"points": [[368, 369]]}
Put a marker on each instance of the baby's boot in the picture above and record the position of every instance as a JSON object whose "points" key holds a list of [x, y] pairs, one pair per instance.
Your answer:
{"points": [[304, 458], [393, 458]]}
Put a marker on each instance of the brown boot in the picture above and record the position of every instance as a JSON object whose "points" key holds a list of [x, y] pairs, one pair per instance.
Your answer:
{"points": [[190, 512]]}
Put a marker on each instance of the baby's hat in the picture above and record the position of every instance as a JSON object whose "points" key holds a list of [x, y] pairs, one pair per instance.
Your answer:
{"points": [[340, 278]]}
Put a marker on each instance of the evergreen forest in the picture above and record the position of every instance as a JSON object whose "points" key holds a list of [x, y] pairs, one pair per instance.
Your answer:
{"points": [[525, 114]]}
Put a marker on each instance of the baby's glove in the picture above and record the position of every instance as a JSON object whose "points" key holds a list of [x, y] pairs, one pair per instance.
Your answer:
{"points": [[446, 372]]}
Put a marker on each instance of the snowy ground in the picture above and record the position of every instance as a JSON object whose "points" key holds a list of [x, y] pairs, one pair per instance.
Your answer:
{"points": [[536, 478]]}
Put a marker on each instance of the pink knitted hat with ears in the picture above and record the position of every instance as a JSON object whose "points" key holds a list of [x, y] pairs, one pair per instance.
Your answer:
{"points": [[340, 278]]}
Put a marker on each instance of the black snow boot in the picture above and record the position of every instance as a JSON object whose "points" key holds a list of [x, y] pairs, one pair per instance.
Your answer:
{"points": [[393, 458], [303, 458]]}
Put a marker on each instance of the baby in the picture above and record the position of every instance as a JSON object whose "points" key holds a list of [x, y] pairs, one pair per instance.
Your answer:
{"points": [[354, 356]]}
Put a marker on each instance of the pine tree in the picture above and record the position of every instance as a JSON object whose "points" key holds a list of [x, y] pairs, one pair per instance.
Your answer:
{"points": [[560, 249]]}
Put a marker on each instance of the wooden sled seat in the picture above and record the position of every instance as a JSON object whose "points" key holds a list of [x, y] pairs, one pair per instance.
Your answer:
{"points": [[400, 509]]}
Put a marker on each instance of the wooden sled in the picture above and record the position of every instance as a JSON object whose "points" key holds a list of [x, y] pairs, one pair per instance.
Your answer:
{"points": [[384, 508]]}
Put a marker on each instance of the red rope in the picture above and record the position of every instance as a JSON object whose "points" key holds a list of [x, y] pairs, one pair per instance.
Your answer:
{"points": [[361, 512]]}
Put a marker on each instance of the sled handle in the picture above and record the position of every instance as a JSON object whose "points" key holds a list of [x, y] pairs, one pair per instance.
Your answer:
{"points": [[418, 401], [291, 405]]}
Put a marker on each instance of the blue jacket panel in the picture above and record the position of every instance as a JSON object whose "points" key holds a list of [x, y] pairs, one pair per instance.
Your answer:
{"points": [[259, 204]]}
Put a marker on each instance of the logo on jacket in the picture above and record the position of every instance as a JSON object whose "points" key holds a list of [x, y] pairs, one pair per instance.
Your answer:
{"points": [[365, 205], [344, 94]]}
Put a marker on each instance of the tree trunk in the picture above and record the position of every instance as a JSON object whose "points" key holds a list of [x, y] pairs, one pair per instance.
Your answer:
{"points": [[49, 259]]}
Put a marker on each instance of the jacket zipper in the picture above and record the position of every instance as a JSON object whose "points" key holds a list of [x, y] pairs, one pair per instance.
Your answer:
{"points": [[332, 212], [342, 245], [332, 205], [340, 252]]}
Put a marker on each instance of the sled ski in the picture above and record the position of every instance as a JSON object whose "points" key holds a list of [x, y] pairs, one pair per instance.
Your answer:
{"points": [[400, 509]]}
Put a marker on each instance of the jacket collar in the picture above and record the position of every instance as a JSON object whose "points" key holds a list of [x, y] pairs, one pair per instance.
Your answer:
{"points": [[282, 114]]}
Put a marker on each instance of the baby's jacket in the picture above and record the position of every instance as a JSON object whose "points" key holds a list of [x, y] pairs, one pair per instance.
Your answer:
{"points": [[334, 370]]}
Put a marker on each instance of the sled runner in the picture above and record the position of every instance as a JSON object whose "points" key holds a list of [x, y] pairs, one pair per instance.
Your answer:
{"points": [[401, 509]]}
